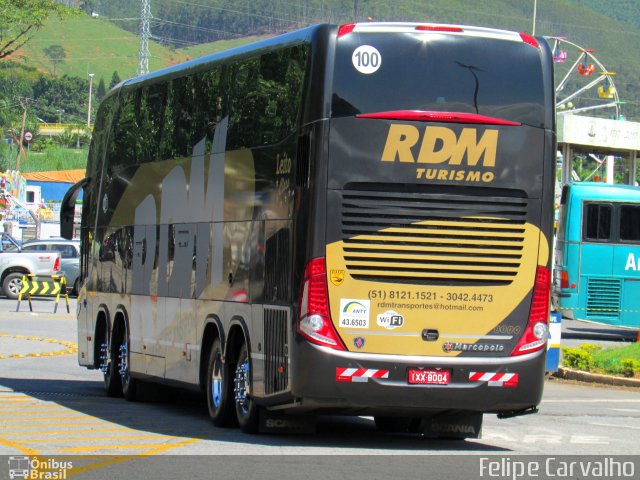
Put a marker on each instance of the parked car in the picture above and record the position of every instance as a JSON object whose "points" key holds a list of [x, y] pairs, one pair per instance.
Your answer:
{"points": [[69, 257], [15, 265]]}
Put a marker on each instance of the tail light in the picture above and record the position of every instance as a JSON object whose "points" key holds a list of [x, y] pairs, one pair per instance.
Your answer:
{"points": [[314, 319], [529, 39], [439, 28], [345, 29], [56, 265], [564, 279], [534, 337]]}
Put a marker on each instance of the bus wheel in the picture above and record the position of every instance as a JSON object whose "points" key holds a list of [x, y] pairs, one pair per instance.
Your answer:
{"points": [[246, 408], [219, 392], [107, 364], [129, 384]]}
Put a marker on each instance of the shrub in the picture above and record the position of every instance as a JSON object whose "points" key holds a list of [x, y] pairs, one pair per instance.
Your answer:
{"points": [[578, 359], [629, 367], [590, 348]]}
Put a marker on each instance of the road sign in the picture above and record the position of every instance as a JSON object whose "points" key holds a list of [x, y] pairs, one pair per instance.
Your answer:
{"points": [[28, 136]]}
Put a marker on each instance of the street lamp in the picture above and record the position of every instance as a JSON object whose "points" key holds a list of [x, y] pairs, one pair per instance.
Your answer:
{"points": [[89, 108]]}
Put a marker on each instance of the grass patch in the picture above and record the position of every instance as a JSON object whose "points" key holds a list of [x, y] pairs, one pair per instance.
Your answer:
{"points": [[623, 361], [49, 159], [618, 361]]}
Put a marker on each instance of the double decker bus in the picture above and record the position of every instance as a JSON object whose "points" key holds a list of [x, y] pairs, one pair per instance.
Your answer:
{"points": [[343, 219]]}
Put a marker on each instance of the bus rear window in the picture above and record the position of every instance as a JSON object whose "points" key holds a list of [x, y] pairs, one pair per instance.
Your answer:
{"points": [[446, 73]]}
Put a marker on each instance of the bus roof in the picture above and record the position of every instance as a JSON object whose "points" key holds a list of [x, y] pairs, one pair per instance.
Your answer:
{"points": [[604, 191]]}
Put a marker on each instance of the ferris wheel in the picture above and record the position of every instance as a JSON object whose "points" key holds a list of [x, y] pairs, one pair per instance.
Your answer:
{"points": [[574, 92]]}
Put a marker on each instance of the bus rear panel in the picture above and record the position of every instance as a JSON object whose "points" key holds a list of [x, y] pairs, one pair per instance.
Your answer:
{"points": [[439, 193]]}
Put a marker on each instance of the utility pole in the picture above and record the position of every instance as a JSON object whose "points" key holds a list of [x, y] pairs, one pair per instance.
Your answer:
{"points": [[145, 34], [23, 103], [89, 108]]}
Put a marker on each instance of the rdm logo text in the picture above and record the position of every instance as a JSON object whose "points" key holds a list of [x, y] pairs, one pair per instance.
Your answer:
{"points": [[441, 145]]}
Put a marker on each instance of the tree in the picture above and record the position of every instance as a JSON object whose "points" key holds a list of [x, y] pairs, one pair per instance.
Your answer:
{"points": [[56, 54], [102, 90], [21, 18], [115, 79]]}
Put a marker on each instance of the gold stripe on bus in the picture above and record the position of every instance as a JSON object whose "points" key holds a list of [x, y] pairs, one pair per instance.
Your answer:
{"points": [[427, 241], [354, 264], [453, 250], [478, 261]]}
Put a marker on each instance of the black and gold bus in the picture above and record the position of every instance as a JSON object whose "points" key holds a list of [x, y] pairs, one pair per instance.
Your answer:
{"points": [[351, 220]]}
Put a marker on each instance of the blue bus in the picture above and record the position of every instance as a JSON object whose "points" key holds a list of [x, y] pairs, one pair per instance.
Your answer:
{"points": [[597, 255]]}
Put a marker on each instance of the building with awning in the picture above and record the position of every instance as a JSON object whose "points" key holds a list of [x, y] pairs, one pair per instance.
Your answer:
{"points": [[53, 185]]}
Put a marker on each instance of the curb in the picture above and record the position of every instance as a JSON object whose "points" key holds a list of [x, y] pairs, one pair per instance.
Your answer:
{"points": [[570, 374]]}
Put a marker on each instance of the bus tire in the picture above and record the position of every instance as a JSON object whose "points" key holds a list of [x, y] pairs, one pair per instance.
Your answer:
{"points": [[246, 408], [128, 383], [111, 377], [219, 389]]}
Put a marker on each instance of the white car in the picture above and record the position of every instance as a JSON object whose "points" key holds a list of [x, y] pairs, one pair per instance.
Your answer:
{"points": [[69, 257]]}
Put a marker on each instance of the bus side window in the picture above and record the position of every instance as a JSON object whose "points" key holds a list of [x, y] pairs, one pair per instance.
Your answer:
{"points": [[597, 222], [630, 223]]}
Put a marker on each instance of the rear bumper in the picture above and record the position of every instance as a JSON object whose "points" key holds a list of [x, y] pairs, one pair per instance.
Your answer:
{"points": [[506, 384]]}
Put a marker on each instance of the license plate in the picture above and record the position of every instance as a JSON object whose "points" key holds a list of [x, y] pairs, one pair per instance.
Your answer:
{"points": [[429, 377]]}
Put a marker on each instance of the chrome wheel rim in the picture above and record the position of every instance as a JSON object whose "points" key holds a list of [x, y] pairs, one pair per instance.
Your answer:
{"points": [[216, 382]]}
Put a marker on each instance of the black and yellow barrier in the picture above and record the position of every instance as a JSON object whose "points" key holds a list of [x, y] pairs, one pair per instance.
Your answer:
{"points": [[43, 286]]}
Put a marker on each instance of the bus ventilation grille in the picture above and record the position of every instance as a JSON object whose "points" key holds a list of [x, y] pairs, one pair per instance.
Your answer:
{"points": [[603, 298], [276, 376], [433, 238]]}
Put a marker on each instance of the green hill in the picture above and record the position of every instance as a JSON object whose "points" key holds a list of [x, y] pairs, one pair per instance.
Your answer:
{"points": [[92, 45], [218, 46]]}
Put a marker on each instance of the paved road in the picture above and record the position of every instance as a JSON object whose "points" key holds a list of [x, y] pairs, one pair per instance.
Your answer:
{"points": [[51, 406]]}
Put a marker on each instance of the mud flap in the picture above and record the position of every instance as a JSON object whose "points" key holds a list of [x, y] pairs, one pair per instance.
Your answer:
{"points": [[458, 425], [275, 422]]}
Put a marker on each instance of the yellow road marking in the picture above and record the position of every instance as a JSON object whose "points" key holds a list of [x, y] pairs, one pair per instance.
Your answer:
{"points": [[17, 446], [72, 348], [170, 447], [100, 430], [111, 437], [133, 446], [35, 405], [28, 423], [95, 466], [155, 451]]}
